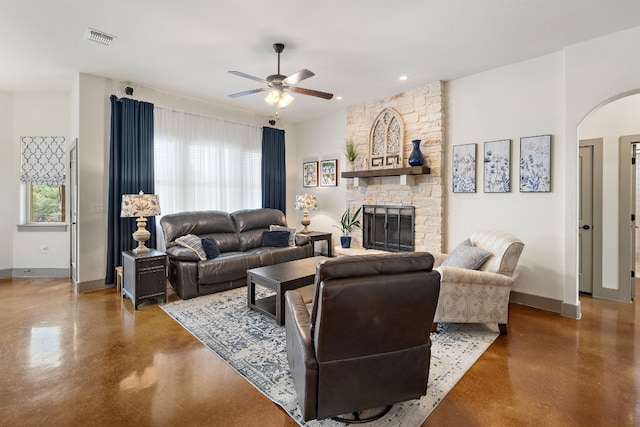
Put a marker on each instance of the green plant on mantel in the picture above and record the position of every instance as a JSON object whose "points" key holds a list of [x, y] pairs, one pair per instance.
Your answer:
{"points": [[348, 222], [350, 151]]}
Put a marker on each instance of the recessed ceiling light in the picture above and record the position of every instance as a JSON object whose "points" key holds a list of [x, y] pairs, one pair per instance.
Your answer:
{"points": [[403, 78], [339, 98]]}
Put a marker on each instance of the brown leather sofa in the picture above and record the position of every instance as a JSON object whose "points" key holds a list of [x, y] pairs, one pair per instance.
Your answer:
{"points": [[239, 238], [364, 341]]}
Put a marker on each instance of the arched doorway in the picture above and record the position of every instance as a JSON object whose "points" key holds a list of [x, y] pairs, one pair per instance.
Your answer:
{"points": [[613, 122]]}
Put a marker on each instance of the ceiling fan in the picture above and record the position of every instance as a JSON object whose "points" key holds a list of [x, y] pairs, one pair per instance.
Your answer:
{"points": [[279, 84]]}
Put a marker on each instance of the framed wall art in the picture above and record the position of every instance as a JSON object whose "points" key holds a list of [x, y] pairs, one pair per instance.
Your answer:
{"points": [[535, 164], [497, 166], [310, 174], [464, 168], [329, 173]]}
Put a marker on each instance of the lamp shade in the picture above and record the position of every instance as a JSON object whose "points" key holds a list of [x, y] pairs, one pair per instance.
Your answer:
{"points": [[306, 202], [139, 205]]}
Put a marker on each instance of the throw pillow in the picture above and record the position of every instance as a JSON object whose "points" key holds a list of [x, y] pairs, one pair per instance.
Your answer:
{"points": [[465, 255], [292, 232], [192, 242], [277, 239], [210, 247]]}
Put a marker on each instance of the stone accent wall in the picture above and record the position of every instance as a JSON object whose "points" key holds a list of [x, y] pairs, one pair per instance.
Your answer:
{"points": [[422, 112]]}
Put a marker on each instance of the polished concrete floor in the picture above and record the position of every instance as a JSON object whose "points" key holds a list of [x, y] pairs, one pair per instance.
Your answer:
{"points": [[91, 360]]}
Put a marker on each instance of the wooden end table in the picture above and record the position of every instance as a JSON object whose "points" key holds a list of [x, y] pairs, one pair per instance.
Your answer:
{"points": [[317, 236], [279, 278], [144, 276]]}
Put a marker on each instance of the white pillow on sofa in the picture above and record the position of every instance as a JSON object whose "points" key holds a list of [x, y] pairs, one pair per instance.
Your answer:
{"points": [[192, 242], [292, 232]]}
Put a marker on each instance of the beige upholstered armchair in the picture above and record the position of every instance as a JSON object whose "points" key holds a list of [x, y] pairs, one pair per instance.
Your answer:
{"points": [[479, 291]]}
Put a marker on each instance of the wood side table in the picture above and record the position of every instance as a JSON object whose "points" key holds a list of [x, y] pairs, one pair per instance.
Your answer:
{"points": [[317, 236], [279, 278], [144, 276]]}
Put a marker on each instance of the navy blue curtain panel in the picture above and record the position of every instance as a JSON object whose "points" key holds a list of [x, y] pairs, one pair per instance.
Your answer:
{"points": [[274, 173], [130, 171]]}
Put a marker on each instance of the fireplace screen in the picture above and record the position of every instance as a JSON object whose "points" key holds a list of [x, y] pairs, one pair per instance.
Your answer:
{"points": [[389, 228]]}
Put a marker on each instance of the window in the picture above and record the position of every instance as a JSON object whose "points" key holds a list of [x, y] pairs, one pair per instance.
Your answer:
{"points": [[204, 163], [46, 203], [43, 174]]}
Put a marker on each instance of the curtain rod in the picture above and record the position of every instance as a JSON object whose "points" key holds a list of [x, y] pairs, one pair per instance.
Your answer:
{"points": [[206, 117]]}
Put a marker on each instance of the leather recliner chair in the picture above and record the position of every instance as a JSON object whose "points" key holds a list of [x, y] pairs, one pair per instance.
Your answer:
{"points": [[364, 341]]}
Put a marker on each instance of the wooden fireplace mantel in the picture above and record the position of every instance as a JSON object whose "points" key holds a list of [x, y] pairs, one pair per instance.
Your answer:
{"points": [[407, 175]]}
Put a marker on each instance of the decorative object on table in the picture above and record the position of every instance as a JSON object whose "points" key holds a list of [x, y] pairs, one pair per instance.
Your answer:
{"points": [[464, 168], [306, 203], [141, 206], [347, 223], [310, 174], [416, 158], [350, 152], [535, 164], [386, 140], [229, 328], [329, 173], [497, 166]]}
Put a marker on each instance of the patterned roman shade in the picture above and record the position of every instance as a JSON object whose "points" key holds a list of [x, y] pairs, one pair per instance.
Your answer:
{"points": [[43, 160]]}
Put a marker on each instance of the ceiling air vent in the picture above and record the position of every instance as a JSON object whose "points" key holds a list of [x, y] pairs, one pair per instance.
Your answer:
{"points": [[99, 37]]}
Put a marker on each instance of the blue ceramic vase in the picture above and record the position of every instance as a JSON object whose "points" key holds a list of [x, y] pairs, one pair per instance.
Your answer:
{"points": [[416, 158]]}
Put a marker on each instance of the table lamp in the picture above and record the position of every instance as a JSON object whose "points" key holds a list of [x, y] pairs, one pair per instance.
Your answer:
{"points": [[305, 204], [141, 206]]}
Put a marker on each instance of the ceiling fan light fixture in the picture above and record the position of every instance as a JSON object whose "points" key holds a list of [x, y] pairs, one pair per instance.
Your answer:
{"points": [[282, 99]]}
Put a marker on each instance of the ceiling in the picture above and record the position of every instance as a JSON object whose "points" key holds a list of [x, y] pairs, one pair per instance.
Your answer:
{"points": [[357, 48]]}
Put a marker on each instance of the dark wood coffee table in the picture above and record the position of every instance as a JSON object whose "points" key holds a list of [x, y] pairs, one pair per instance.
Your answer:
{"points": [[279, 278]]}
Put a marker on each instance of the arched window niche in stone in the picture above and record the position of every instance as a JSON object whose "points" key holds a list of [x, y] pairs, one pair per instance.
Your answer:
{"points": [[386, 140]]}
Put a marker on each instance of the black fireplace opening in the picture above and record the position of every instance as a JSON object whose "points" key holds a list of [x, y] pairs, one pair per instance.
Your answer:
{"points": [[388, 228]]}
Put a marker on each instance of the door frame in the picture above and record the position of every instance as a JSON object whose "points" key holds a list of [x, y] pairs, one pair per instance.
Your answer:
{"points": [[73, 212], [597, 144], [625, 240]]}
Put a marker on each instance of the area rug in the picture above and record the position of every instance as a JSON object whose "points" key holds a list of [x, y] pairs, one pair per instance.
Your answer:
{"points": [[255, 347]]}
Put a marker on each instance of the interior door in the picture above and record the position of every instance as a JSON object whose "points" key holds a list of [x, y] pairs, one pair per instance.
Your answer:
{"points": [[73, 208], [585, 220]]}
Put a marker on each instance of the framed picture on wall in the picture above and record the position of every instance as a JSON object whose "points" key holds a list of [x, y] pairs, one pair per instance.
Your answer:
{"points": [[464, 168], [329, 173], [310, 174], [535, 164], [497, 166]]}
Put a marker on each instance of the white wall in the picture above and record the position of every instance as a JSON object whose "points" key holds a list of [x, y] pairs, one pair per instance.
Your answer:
{"points": [[8, 191], [610, 122], [320, 139], [39, 114], [515, 101]]}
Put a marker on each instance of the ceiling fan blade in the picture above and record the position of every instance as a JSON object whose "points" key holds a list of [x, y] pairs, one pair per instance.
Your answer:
{"points": [[298, 77], [247, 92], [311, 92], [248, 76]]}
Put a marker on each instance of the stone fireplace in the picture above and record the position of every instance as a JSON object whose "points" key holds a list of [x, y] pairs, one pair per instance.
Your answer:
{"points": [[421, 110]]}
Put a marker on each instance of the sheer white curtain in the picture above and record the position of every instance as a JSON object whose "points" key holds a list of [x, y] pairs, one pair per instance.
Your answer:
{"points": [[205, 163]]}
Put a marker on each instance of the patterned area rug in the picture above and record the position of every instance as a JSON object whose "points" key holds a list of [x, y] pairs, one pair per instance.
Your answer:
{"points": [[255, 347]]}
